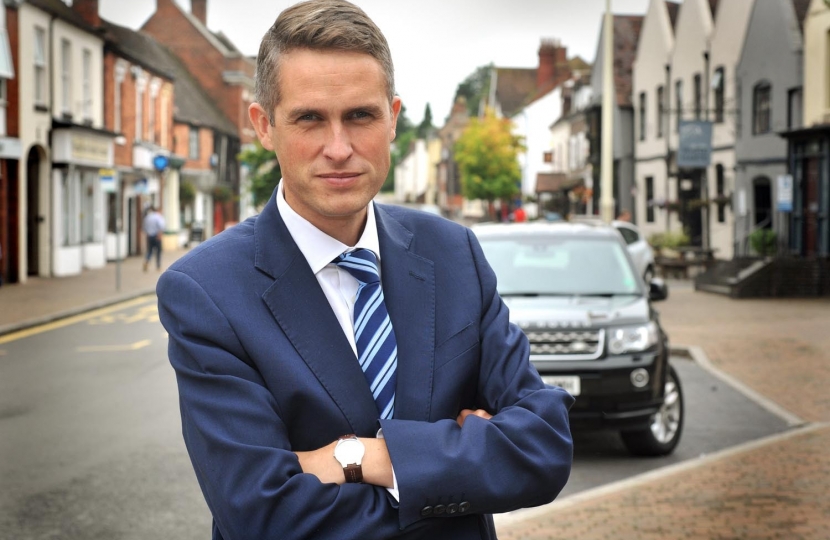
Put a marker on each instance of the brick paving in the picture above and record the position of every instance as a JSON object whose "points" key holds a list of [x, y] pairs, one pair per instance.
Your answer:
{"points": [[779, 348]]}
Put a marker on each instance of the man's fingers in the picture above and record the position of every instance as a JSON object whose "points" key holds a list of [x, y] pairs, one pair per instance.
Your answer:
{"points": [[481, 413]]}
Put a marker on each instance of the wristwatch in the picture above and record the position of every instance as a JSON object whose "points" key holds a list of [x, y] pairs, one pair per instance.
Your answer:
{"points": [[349, 453]]}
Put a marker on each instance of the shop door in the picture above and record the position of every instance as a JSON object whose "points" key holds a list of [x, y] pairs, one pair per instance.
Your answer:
{"points": [[11, 253]]}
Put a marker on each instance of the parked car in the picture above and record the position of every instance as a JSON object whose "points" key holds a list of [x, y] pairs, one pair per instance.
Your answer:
{"points": [[638, 247], [574, 290]]}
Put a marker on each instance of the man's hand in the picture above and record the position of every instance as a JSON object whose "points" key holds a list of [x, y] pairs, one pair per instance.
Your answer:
{"points": [[481, 413], [377, 466]]}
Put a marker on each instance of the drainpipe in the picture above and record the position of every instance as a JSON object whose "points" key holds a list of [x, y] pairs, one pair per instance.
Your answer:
{"points": [[707, 237]]}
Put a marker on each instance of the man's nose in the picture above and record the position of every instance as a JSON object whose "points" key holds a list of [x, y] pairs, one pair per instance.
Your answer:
{"points": [[338, 146]]}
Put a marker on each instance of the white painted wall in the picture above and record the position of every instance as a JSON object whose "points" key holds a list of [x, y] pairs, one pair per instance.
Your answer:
{"points": [[412, 173], [533, 123]]}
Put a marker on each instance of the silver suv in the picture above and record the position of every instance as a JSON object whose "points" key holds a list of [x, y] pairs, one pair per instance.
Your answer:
{"points": [[574, 290]]}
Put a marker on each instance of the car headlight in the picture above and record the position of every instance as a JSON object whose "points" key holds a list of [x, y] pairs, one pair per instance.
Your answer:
{"points": [[629, 339]]}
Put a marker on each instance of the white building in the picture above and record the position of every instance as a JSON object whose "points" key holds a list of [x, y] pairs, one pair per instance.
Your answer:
{"points": [[533, 124], [62, 224]]}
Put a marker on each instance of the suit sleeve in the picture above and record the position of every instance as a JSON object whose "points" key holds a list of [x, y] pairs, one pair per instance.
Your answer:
{"points": [[237, 441], [520, 458]]}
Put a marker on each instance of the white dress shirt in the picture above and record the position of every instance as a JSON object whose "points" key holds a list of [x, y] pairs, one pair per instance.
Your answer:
{"points": [[339, 286]]}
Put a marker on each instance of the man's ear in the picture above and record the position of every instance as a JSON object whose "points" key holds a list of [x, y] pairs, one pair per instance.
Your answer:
{"points": [[262, 125], [396, 110]]}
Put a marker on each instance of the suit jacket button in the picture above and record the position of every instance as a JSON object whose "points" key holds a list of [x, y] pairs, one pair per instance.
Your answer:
{"points": [[463, 507], [439, 509], [452, 508], [426, 511]]}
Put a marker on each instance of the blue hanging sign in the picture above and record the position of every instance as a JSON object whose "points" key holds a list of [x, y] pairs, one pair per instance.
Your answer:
{"points": [[160, 162]]}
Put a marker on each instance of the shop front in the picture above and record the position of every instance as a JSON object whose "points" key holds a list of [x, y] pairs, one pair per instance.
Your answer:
{"points": [[79, 223]]}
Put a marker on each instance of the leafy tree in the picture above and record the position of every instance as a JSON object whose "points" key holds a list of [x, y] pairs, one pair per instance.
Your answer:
{"points": [[426, 127], [487, 157], [475, 88], [265, 171]]}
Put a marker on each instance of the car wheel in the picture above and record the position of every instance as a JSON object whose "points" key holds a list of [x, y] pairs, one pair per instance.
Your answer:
{"points": [[648, 275], [663, 433]]}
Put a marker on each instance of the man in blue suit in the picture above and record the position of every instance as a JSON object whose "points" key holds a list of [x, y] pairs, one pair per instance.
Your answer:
{"points": [[290, 431]]}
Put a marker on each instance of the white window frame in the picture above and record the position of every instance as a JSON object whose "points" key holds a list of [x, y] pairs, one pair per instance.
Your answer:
{"points": [[118, 113], [193, 143], [39, 62], [140, 88], [87, 84], [66, 76]]}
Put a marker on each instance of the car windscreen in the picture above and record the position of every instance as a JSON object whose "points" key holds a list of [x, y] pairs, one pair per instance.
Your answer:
{"points": [[531, 265]]}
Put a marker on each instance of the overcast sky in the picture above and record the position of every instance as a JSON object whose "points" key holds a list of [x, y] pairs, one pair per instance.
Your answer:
{"points": [[435, 43]]}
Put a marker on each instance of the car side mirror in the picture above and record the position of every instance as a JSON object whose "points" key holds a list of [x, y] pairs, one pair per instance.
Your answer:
{"points": [[658, 290]]}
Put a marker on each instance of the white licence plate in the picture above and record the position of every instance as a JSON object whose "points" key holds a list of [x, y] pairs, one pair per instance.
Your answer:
{"points": [[571, 384]]}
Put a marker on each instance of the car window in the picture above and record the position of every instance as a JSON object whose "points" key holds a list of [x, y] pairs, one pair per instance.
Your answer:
{"points": [[629, 235], [547, 265]]}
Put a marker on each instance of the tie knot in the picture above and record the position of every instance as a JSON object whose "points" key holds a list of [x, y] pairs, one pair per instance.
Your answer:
{"points": [[361, 264]]}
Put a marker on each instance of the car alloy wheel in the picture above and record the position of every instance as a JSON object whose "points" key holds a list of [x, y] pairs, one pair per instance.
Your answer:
{"points": [[665, 426]]}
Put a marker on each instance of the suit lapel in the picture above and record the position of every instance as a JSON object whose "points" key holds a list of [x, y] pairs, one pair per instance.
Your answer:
{"points": [[301, 309], [409, 291]]}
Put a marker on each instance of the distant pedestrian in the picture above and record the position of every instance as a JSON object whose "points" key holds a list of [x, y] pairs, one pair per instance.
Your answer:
{"points": [[625, 215], [153, 228]]}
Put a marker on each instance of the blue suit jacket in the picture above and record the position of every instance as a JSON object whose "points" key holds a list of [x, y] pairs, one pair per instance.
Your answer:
{"points": [[264, 369]]}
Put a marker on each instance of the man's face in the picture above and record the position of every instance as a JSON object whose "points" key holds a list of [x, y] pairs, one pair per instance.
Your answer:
{"points": [[332, 130]]}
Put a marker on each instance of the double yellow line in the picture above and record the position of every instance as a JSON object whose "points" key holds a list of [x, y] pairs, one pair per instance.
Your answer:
{"points": [[14, 336]]}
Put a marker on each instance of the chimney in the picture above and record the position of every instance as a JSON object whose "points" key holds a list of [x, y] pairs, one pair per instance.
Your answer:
{"points": [[88, 9], [553, 64], [199, 10]]}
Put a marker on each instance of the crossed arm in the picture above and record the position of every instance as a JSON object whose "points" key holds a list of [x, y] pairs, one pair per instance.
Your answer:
{"points": [[377, 466]]}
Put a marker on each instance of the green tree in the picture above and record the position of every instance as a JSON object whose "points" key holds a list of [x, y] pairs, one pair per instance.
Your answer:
{"points": [[475, 88], [487, 156], [264, 171], [426, 127]]}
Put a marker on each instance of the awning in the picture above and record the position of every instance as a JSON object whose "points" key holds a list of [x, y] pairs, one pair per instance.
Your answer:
{"points": [[549, 182]]}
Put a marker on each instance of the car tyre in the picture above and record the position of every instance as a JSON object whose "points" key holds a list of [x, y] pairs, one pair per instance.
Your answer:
{"points": [[665, 427]]}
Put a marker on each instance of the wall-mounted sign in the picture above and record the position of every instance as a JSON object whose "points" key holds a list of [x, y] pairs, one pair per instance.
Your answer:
{"points": [[784, 193], [107, 179], [695, 144]]}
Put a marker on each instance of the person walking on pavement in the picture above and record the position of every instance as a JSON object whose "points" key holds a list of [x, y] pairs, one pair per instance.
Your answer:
{"points": [[153, 228], [300, 332]]}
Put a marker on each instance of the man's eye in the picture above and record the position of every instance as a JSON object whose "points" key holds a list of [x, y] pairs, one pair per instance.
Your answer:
{"points": [[360, 115], [307, 118]]}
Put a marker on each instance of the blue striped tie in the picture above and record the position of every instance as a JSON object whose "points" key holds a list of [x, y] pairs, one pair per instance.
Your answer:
{"points": [[377, 350]]}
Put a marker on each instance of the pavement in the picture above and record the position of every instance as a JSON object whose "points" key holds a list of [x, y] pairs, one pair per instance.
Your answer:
{"points": [[776, 351]]}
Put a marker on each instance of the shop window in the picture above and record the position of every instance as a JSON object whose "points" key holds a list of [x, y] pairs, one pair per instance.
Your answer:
{"points": [[698, 98], [194, 143]]}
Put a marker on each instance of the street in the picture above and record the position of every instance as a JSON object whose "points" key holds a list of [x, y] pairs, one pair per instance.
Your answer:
{"points": [[90, 442]]}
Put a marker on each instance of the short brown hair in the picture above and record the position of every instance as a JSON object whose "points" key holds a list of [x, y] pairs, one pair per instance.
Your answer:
{"points": [[318, 25]]}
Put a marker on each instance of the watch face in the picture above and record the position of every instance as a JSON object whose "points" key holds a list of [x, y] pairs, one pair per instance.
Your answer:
{"points": [[349, 451]]}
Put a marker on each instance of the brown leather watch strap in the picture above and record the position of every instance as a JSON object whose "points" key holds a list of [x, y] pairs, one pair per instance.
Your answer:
{"points": [[354, 473]]}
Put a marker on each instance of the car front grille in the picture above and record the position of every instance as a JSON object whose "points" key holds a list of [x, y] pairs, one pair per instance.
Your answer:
{"points": [[566, 344]]}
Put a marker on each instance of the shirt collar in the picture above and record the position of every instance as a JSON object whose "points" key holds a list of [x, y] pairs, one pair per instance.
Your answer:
{"points": [[318, 248]]}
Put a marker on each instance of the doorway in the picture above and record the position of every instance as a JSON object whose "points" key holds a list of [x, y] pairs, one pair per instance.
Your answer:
{"points": [[762, 202], [33, 217]]}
